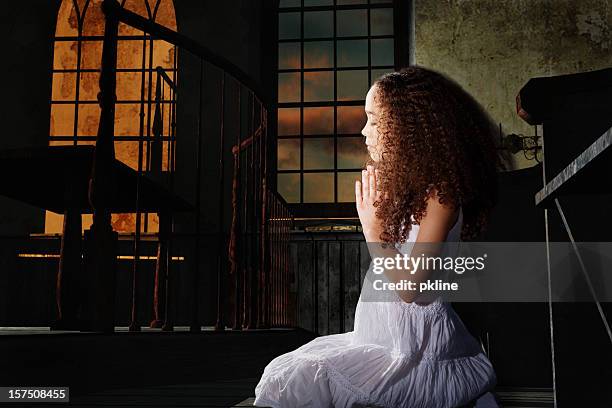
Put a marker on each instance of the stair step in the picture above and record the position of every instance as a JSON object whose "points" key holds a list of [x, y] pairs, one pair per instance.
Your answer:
{"points": [[519, 397]]}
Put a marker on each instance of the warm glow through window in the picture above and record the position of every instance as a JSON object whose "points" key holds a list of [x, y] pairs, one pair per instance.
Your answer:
{"points": [[75, 111]]}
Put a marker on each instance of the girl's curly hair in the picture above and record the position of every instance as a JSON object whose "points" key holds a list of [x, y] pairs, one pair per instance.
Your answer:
{"points": [[434, 136]]}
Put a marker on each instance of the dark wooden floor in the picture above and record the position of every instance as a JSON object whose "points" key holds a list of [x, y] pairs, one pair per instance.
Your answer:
{"points": [[230, 393], [159, 369], [147, 368]]}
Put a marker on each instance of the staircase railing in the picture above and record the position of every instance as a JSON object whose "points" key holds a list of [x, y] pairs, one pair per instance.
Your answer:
{"points": [[258, 239]]}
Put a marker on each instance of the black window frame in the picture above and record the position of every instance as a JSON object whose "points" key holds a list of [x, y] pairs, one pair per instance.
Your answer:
{"points": [[402, 17]]}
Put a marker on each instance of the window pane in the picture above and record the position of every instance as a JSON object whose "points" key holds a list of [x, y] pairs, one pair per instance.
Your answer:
{"points": [[351, 22], [352, 152], [346, 186], [290, 3], [163, 54], [89, 86], [128, 86], [319, 153], [288, 154], [289, 186], [66, 20], [93, 22], [125, 122], [125, 29], [165, 14], [318, 24], [288, 25], [288, 121], [62, 120], [376, 73], [319, 54], [308, 3], [352, 85], [136, 6], [64, 55], [89, 118], [318, 187], [289, 87], [381, 21], [318, 121], [91, 54], [351, 119], [380, 1], [289, 56], [318, 86], [341, 2], [382, 51], [64, 84], [352, 53], [129, 54]]}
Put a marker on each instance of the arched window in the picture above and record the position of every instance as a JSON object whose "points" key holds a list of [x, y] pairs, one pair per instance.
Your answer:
{"points": [[75, 111]]}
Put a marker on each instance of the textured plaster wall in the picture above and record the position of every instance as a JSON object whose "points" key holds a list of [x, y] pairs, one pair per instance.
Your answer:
{"points": [[492, 47]]}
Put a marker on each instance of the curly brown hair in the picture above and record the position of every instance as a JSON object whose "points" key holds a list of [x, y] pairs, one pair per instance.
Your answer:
{"points": [[435, 139]]}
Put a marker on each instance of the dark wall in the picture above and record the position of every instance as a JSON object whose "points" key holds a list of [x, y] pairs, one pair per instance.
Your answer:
{"points": [[493, 47], [229, 28], [28, 27]]}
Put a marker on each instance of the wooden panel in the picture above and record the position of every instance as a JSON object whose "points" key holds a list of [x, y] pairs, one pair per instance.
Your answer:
{"points": [[330, 268], [323, 295], [335, 298], [351, 270], [294, 284], [306, 289]]}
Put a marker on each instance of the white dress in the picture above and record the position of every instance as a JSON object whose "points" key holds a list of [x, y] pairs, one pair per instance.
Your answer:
{"points": [[398, 355]]}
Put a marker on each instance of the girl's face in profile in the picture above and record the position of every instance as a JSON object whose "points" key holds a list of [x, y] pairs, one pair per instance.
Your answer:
{"points": [[370, 130]]}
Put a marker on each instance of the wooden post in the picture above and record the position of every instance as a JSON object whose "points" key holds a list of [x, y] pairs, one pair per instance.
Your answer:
{"points": [[100, 239]]}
